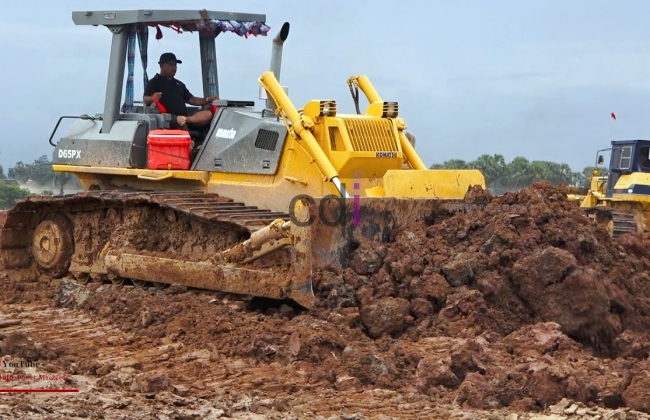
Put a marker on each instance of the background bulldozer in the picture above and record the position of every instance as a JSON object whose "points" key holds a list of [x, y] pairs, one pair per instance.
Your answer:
{"points": [[270, 196], [619, 196]]}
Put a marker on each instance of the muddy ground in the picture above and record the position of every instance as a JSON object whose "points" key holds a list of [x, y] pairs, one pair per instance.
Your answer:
{"points": [[514, 306]]}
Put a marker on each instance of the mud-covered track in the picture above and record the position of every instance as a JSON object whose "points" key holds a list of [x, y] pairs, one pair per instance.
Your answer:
{"points": [[71, 232], [617, 222], [623, 223]]}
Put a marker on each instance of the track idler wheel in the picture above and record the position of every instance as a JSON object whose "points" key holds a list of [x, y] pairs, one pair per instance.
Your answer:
{"points": [[53, 244]]}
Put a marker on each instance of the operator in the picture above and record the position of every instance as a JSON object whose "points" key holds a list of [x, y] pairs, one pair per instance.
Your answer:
{"points": [[173, 95]]}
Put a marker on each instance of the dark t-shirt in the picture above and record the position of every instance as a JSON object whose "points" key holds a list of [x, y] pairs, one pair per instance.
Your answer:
{"points": [[174, 93]]}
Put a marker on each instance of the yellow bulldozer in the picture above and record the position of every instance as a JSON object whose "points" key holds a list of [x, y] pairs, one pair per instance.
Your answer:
{"points": [[253, 204], [619, 196]]}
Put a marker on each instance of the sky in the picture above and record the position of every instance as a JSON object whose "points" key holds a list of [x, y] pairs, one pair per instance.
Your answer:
{"points": [[537, 79]]}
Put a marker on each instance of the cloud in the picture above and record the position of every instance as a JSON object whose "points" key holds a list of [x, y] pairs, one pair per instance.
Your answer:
{"points": [[535, 79]]}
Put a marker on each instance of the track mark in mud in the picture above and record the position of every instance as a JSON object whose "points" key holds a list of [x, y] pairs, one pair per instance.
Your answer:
{"points": [[127, 376]]}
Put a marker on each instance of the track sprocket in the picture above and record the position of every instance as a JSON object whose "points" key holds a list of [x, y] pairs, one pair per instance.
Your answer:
{"points": [[53, 244]]}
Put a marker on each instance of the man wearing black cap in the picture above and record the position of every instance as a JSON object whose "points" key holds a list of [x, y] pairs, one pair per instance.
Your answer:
{"points": [[164, 89]]}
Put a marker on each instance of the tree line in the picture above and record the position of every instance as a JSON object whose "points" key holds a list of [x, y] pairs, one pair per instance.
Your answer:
{"points": [[36, 175], [502, 176]]}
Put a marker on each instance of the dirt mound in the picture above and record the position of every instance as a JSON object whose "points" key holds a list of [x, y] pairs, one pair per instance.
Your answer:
{"points": [[496, 264], [513, 301], [521, 278]]}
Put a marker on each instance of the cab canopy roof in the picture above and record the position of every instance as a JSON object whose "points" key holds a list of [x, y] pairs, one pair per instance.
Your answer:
{"points": [[243, 24], [626, 142], [131, 26]]}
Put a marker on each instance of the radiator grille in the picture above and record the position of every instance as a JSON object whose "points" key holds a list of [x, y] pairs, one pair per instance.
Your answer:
{"points": [[266, 139], [332, 132], [370, 134]]}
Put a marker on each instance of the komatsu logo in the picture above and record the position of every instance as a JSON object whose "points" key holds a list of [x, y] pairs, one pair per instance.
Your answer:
{"points": [[386, 154], [222, 133], [69, 154]]}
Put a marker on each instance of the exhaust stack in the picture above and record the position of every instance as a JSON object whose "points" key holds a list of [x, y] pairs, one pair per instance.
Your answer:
{"points": [[276, 59]]}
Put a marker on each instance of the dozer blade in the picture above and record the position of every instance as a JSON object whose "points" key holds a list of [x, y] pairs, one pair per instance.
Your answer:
{"points": [[427, 183], [329, 230]]}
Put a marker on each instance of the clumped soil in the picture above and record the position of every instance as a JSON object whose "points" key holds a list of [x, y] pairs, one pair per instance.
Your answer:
{"points": [[512, 301]]}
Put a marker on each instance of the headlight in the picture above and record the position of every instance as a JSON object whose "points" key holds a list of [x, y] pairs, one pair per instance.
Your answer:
{"points": [[315, 109], [383, 109]]}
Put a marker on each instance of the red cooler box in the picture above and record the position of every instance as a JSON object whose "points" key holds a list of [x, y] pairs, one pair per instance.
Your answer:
{"points": [[168, 149]]}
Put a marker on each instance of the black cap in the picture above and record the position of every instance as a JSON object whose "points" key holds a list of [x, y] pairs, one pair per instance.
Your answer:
{"points": [[168, 58]]}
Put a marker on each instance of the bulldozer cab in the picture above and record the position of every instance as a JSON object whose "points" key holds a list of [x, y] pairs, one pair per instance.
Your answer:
{"points": [[627, 157], [126, 122]]}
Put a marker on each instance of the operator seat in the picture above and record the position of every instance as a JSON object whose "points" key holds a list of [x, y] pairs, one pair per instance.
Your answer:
{"points": [[197, 133]]}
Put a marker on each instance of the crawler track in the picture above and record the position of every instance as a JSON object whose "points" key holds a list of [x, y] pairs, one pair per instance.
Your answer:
{"points": [[617, 222], [71, 234], [623, 223]]}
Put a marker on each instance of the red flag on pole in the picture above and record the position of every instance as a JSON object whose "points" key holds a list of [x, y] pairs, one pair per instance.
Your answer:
{"points": [[613, 116]]}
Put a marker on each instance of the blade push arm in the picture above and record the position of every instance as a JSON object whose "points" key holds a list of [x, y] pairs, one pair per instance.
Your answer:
{"points": [[300, 126]]}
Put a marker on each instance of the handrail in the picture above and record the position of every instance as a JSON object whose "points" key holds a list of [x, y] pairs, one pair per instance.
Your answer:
{"points": [[156, 178], [82, 117], [366, 87]]}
